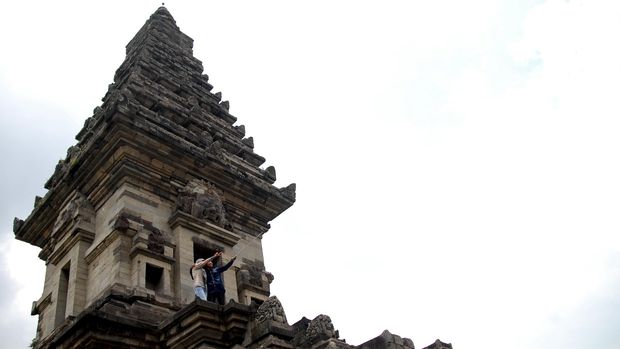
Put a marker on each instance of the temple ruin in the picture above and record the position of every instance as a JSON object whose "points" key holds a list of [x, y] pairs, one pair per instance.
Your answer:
{"points": [[160, 175]]}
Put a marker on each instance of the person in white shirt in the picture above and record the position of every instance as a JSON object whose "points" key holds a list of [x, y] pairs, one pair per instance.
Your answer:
{"points": [[199, 275]]}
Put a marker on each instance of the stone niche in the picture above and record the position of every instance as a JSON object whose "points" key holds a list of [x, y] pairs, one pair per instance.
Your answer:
{"points": [[199, 228], [152, 262], [134, 254], [64, 294]]}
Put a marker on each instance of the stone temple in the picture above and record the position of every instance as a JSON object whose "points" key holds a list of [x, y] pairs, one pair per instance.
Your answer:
{"points": [[160, 176]]}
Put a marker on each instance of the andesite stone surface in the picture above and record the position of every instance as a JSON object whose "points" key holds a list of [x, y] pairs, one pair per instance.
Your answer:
{"points": [[161, 175]]}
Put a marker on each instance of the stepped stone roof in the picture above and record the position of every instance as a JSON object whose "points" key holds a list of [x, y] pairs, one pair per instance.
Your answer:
{"points": [[161, 129], [161, 99]]}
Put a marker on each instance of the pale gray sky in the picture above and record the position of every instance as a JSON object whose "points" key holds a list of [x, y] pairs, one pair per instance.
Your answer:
{"points": [[456, 162]]}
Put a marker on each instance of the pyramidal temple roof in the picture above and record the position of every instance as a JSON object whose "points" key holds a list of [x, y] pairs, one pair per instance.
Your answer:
{"points": [[161, 76], [161, 94]]}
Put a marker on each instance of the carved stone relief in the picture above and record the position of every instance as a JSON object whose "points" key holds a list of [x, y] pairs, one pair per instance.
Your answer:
{"points": [[156, 241], [204, 201], [254, 273], [271, 310], [78, 207], [321, 327]]}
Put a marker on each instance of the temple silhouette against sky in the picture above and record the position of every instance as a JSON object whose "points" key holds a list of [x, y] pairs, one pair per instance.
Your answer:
{"points": [[161, 175]]}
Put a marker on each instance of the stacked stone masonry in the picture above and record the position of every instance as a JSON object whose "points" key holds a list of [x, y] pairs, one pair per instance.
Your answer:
{"points": [[161, 175]]}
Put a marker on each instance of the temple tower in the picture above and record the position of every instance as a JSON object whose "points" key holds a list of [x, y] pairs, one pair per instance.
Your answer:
{"points": [[160, 176]]}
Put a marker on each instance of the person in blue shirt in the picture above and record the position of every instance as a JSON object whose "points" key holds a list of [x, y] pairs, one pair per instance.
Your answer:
{"points": [[215, 284], [199, 275]]}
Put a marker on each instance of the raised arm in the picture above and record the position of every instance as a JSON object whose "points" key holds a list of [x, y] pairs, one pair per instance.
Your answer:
{"points": [[227, 265], [204, 262]]}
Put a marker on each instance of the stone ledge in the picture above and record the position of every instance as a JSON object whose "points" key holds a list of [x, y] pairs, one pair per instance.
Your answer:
{"points": [[182, 219]]}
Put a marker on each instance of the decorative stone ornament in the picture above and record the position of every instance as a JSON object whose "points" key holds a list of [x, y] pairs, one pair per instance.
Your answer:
{"points": [[321, 327], [78, 206], [271, 310], [118, 246], [203, 201]]}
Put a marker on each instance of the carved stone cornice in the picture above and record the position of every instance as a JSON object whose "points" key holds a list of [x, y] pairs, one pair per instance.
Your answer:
{"points": [[182, 219], [39, 306], [68, 242], [146, 252], [101, 246]]}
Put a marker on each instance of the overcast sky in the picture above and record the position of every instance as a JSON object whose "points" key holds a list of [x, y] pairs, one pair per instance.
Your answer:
{"points": [[457, 162]]}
